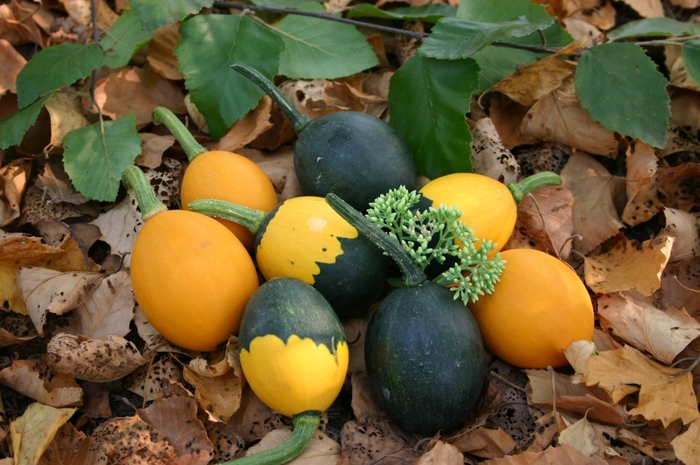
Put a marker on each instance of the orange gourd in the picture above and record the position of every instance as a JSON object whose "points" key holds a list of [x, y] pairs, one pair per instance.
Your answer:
{"points": [[191, 276]]}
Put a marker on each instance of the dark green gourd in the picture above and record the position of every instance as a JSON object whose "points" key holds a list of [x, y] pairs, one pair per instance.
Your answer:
{"points": [[351, 154], [423, 349]]}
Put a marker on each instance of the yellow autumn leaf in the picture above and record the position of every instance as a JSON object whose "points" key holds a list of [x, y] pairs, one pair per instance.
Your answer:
{"points": [[35, 429]]}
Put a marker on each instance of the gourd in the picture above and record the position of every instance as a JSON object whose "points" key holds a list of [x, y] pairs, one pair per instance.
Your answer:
{"points": [[219, 174], [538, 307], [295, 357], [489, 207], [355, 155], [304, 238], [423, 349], [191, 276]]}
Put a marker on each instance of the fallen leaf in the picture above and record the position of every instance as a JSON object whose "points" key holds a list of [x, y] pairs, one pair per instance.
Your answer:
{"points": [[680, 283], [579, 29], [81, 12], [131, 440], [322, 450], [484, 442], [15, 329], [583, 437], [578, 353], [634, 319], [151, 380], [507, 115], [668, 402], [642, 200], [677, 72], [687, 445], [594, 189], [560, 455], [71, 447], [375, 443], [684, 123], [66, 116], [442, 453], [678, 185], [161, 52], [559, 117], [95, 360], [55, 183], [254, 419], [152, 148], [13, 181], [683, 227], [629, 266], [598, 13], [35, 429], [176, 417], [13, 62], [38, 380], [248, 128], [647, 8], [489, 156]]}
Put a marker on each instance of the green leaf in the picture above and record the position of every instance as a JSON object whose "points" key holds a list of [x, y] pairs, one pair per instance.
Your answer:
{"points": [[95, 156], [158, 13], [55, 67], [453, 38], [621, 88], [428, 101], [650, 27], [430, 13], [318, 48], [123, 40], [209, 45], [498, 62], [691, 59], [291, 4], [12, 129]]}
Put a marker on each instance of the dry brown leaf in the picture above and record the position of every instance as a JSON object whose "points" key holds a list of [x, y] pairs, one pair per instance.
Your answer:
{"points": [[583, 437], [96, 360], [218, 386], [489, 156], [581, 29], [507, 116], [642, 201], [363, 402], [35, 429], [559, 117], [484, 442], [647, 8], [71, 447], [13, 182], [594, 189], [532, 82], [152, 148], [665, 393], [376, 443], [151, 380], [629, 265], [441, 453], [38, 380], [56, 185], [15, 329], [12, 63], [131, 440], [66, 115], [48, 291], [248, 128], [687, 445], [15, 28], [322, 450], [561, 455], [37, 205], [161, 52], [254, 419], [678, 74], [176, 417], [684, 123], [678, 185], [81, 12], [355, 330], [320, 97], [683, 227], [686, 3], [279, 167], [137, 90], [680, 283], [634, 319], [578, 353]]}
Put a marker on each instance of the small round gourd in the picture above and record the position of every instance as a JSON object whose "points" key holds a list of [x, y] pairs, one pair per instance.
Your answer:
{"points": [[218, 174], [538, 308], [191, 276]]}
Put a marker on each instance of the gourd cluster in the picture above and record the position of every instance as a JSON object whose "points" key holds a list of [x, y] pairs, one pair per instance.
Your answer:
{"points": [[282, 275]]}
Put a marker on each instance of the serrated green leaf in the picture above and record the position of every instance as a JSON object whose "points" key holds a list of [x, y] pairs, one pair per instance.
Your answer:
{"points": [[650, 27], [123, 40], [12, 129], [621, 88], [430, 13], [318, 48], [428, 101], [55, 67], [453, 38], [498, 62], [95, 156], [158, 13], [209, 45], [691, 59]]}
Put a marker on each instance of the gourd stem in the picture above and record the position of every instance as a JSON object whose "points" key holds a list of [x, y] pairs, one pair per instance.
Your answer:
{"points": [[412, 274], [305, 425], [247, 217], [523, 187], [184, 137], [298, 120], [136, 181]]}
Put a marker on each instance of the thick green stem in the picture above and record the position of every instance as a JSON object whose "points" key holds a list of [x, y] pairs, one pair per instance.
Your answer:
{"points": [[247, 217], [305, 425], [184, 137], [136, 181], [298, 120], [523, 187], [412, 274]]}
